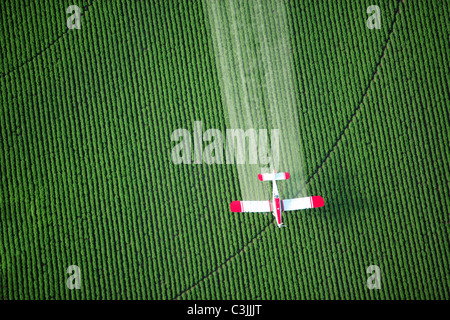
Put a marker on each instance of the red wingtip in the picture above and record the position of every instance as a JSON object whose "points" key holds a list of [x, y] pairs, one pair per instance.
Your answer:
{"points": [[260, 177], [286, 175], [235, 206], [317, 201]]}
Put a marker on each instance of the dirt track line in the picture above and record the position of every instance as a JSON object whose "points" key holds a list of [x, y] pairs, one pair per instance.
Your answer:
{"points": [[375, 73], [224, 263], [361, 101], [32, 58]]}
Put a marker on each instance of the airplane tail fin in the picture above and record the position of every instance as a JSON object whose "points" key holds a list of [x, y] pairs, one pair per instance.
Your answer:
{"points": [[273, 176]]}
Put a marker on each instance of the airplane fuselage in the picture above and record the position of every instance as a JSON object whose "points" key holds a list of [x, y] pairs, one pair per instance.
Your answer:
{"points": [[277, 204]]}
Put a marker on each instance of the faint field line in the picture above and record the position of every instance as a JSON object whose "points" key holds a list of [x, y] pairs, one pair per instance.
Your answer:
{"points": [[42, 51], [361, 101], [265, 228]]}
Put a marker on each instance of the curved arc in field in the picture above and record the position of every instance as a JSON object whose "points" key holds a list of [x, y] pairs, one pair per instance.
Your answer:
{"points": [[51, 44], [375, 73], [361, 101]]}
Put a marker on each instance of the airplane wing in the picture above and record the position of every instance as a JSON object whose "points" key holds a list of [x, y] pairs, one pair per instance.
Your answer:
{"points": [[250, 206], [303, 203]]}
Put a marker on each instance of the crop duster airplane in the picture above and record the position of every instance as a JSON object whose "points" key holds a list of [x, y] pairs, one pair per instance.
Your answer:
{"points": [[276, 205]]}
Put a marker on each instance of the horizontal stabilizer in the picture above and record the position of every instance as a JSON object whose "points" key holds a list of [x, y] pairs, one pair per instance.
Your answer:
{"points": [[270, 176]]}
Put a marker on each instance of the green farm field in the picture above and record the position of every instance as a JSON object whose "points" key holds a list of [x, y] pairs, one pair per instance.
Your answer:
{"points": [[87, 179]]}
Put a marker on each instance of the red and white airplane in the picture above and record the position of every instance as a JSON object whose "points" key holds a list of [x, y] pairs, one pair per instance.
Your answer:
{"points": [[276, 205]]}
